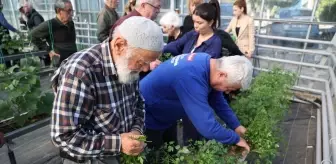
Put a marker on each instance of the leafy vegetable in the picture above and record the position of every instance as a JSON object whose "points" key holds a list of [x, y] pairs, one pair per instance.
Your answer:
{"points": [[20, 92], [165, 56]]}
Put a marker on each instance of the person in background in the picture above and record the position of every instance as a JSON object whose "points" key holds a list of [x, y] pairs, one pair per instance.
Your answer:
{"points": [[129, 7], [98, 111], [6, 27], [146, 8], [59, 33], [203, 38], [242, 27], [171, 25], [191, 86], [106, 18], [30, 17], [188, 23]]}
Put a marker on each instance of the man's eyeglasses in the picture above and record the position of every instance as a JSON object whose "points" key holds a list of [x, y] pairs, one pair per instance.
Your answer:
{"points": [[155, 7], [69, 11]]}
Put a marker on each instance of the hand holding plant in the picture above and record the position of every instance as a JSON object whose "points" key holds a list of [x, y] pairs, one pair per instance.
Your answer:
{"points": [[242, 143], [131, 144], [240, 130]]}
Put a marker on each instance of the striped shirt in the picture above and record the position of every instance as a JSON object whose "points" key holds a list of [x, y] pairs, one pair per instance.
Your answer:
{"points": [[91, 108]]}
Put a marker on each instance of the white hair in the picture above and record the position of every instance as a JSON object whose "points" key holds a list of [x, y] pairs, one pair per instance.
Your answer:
{"points": [[238, 68], [171, 18], [139, 2]]}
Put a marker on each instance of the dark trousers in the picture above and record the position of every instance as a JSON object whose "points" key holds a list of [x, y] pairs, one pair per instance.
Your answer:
{"points": [[158, 137], [189, 132]]}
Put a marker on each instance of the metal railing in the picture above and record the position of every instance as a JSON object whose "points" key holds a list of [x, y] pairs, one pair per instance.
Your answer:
{"points": [[327, 114]]}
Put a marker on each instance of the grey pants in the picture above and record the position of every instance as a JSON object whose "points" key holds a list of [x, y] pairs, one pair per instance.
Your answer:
{"points": [[108, 160]]}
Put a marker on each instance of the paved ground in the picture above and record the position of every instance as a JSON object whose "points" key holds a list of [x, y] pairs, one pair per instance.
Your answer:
{"points": [[32, 148]]}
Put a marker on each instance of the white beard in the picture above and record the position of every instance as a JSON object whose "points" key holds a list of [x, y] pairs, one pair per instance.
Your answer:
{"points": [[125, 75]]}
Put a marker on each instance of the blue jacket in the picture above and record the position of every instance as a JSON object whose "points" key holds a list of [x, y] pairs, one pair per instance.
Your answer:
{"points": [[4, 23], [180, 88], [213, 46]]}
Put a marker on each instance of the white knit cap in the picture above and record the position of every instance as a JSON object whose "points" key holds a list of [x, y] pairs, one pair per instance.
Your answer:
{"points": [[141, 32]]}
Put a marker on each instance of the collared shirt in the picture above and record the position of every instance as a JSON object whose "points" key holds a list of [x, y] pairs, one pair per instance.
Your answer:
{"points": [[212, 46], [91, 107]]}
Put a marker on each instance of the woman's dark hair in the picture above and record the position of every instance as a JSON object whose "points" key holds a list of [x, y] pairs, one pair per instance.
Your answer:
{"points": [[209, 12], [241, 4]]}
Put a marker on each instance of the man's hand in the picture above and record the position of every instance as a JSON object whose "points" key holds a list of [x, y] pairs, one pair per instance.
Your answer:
{"points": [[242, 143], [240, 130], [154, 64], [130, 145], [52, 54]]}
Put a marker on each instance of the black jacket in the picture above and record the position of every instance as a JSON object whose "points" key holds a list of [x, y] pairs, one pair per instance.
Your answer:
{"points": [[229, 47]]}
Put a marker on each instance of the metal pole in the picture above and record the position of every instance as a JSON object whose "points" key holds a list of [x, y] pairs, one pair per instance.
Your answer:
{"points": [[332, 123], [256, 62], [293, 39], [311, 20], [307, 35], [13, 13], [318, 137], [330, 70], [333, 57], [325, 131]]}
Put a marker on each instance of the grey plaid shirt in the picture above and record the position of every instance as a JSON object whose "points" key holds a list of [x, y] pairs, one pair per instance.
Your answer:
{"points": [[91, 108]]}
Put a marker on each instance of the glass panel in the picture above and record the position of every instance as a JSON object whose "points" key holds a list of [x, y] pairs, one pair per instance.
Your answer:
{"points": [[94, 5], [165, 4], [226, 8], [82, 5]]}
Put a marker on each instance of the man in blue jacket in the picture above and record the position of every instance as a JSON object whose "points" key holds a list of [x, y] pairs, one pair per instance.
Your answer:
{"points": [[191, 85]]}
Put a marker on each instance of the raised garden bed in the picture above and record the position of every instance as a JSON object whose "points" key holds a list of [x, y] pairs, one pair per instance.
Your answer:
{"points": [[260, 109], [22, 101]]}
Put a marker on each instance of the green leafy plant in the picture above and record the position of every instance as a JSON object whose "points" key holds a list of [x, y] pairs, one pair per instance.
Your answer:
{"points": [[10, 45], [165, 56], [140, 159], [261, 108], [204, 152], [21, 93]]}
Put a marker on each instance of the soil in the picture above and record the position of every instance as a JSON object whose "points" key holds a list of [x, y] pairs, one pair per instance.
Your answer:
{"points": [[10, 126]]}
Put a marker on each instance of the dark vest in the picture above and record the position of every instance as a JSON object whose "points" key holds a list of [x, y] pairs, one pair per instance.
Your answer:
{"points": [[31, 24], [64, 38]]}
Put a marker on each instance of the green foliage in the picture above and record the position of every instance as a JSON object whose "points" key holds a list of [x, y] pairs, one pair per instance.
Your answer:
{"points": [[20, 92], [10, 45], [261, 109], [198, 152], [140, 159], [165, 57], [325, 10]]}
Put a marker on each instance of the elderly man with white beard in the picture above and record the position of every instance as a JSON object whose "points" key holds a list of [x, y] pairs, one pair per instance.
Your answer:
{"points": [[98, 111]]}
